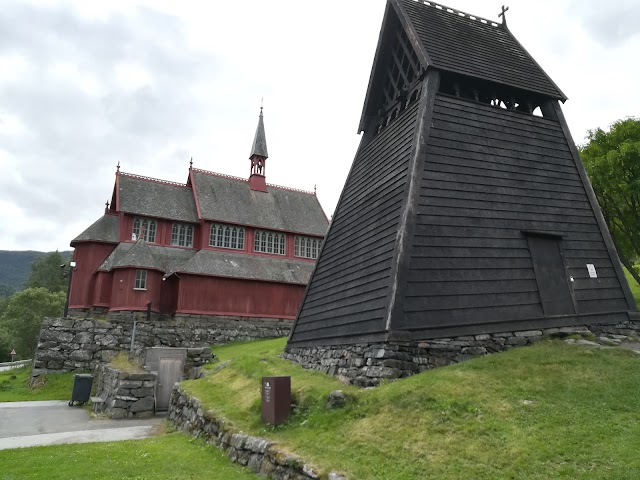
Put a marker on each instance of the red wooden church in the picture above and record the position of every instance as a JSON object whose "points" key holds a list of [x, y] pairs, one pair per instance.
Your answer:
{"points": [[216, 245]]}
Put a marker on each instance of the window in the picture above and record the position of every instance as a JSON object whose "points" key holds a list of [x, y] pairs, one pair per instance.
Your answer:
{"points": [[141, 280], [144, 229], [226, 236], [182, 235], [269, 242], [307, 247]]}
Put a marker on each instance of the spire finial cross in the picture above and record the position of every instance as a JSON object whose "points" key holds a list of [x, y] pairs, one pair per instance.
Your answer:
{"points": [[107, 205], [191, 163], [118, 167], [261, 104], [504, 17]]}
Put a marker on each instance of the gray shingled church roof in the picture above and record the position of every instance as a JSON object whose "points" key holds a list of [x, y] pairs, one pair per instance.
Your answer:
{"points": [[151, 198], [456, 42], [231, 200], [207, 262], [105, 229], [260, 140]]}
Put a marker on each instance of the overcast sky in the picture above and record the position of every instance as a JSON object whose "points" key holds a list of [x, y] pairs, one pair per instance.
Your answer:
{"points": [[86, 85]]}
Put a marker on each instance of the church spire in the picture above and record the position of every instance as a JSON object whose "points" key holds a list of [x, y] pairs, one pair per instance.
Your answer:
{"points": [[258, 157]]}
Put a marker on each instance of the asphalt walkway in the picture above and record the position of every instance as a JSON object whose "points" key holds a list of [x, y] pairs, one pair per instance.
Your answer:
{"points": [[29, 424]]}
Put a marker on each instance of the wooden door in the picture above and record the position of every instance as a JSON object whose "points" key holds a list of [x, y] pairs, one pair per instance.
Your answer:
{"points": [[551, 275], [169, 373]]}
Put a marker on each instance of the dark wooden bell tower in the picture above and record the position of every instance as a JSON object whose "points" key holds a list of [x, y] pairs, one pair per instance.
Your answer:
{"points": [[258, 157], [467, 211]]}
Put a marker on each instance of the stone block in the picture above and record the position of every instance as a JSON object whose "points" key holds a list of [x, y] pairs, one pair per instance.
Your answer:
{"points": [[529, 333], [144, 392], [130, 384], [518, 341], [80, 355], [143, 404]]}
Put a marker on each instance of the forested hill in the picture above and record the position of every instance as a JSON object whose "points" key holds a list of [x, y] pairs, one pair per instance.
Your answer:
{"points": [[14, 268]]}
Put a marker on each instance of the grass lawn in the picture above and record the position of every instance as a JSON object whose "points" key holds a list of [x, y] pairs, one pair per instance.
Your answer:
{"points": [[47, 387], [171, 456], [547, 411], [635, 288]]}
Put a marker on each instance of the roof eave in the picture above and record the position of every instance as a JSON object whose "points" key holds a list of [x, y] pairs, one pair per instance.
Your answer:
{"points": [[412, 35]]}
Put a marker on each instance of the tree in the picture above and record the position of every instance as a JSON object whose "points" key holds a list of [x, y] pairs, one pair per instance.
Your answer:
{"points": [[6, 291], [612, 160], [23, 316], [46, 273]]}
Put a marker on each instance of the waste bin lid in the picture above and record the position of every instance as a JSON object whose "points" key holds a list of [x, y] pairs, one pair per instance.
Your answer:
{"points": [[83, 375]]}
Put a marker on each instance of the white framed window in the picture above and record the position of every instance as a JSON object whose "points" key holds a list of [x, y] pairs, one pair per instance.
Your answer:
{"points": [[182, 235], [144, 229], [226, 236], [306, 247], [141, 280], [269, 242]]}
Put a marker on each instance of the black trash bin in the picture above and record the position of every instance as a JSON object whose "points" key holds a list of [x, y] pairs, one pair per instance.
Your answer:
{"points": [[81, 388]]}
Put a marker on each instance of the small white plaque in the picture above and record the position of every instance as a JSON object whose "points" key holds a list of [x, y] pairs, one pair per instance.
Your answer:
{"points": [[592, 270]]}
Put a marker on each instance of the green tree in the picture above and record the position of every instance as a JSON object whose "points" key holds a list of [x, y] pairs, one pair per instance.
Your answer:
{"points": [[612, 160], [6, 291], [23, 316], [46, 273]]}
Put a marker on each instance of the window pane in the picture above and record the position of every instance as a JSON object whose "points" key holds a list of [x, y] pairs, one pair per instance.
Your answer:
{"points": [[270, 243], [314, 249], [220, 240], [136, 229], [256, 241], [151, 235], [296, 247], [189, 237], [227, 237], [212, 236], [234, 238], [181, 236], [308, 248], [241, 239], [174, 234], [282, 241]]}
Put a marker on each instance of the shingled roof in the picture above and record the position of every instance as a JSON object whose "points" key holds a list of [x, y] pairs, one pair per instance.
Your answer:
{"points": [[156, 198], [458, 42], [252, 267], [105, 229], [229, 199], [171, 260]]}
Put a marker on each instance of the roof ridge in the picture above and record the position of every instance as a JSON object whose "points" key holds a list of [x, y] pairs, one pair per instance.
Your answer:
{"points": [[151, 179], [291, 189], [222, 175], [459, 13]]}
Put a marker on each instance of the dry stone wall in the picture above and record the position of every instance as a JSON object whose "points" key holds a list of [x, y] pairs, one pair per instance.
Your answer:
{"points": [[259, 454], [75, 343], [369, 364], [126, 394]]}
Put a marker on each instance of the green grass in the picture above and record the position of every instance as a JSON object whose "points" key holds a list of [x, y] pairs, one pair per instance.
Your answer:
{"points": [[171, 456], [47, 387], [548, 411], [635, 288]]}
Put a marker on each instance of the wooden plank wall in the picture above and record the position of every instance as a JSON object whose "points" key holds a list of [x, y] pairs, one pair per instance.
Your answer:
{"points": [[490, 174], [348, 292]]}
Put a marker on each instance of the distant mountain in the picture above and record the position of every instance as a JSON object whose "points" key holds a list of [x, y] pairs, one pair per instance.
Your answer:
{"points": [[14, 268]]}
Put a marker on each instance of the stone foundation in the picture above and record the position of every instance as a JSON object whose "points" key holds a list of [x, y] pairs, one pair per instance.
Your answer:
{"points": [[77, 344], [368, 365], [260, 455], [124, 394]]}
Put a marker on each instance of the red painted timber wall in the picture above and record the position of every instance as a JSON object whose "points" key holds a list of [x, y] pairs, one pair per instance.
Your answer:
{"points": [[88, 257], [125, 297], [230, 296]]}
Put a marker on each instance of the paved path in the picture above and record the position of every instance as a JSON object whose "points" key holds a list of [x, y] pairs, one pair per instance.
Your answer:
{"points": [[4, 368], [28, 424]]}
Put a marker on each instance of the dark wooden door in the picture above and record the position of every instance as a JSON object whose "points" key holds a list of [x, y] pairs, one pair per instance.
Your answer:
{"points": [[169, 372], [555, 292]]}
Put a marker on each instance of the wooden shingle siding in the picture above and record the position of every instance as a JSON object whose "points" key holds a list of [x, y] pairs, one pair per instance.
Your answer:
{"points": [[489, 175], [349, 289]]}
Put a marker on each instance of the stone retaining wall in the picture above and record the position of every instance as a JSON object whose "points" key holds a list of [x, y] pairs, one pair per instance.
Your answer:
{"points": [[369, 364], [125, 394], [262, 456], [74, 344]]}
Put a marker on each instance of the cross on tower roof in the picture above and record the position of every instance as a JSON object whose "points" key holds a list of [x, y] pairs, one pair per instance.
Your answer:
{"points": [[504, 17]]}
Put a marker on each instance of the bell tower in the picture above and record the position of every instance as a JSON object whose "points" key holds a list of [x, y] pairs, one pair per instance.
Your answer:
{"points": [[258, 157]]}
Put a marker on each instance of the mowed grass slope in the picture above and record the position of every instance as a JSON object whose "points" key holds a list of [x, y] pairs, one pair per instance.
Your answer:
{"points": [[548, 411], [14, 386], [172, 456], [635, 288]]}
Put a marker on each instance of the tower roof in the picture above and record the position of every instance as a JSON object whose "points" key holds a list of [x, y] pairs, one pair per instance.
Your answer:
{"points": [[259, 147]]}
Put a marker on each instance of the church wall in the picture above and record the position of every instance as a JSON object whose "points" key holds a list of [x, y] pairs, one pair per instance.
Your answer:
{"points": [[348, 292], [88, 257], [229, 296], [489, 175], [124, 297]]}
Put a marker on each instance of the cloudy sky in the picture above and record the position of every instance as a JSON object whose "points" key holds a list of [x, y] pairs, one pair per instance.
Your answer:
{"points": [[150, 84]]}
